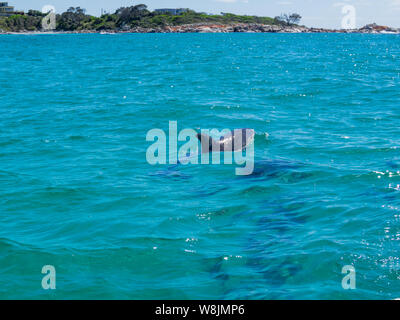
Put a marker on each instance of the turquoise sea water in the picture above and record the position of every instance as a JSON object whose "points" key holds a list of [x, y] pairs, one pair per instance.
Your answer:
{"points": [[77, 193]]}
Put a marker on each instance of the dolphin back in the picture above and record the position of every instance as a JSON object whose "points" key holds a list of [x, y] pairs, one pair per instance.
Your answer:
{"points": [[235, 140]]}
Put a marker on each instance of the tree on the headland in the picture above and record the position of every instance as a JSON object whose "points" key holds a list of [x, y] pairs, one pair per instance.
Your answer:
{"points": [[130, 14], [295, 18], [288, 19], [35, 13], [77, 10], [72, 19]]}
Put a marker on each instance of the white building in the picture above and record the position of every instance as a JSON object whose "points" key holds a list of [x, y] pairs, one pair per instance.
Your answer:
{"points": [[5, 9]]}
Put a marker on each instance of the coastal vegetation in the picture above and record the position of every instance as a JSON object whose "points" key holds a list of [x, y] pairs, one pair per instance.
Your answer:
{"points": [[76, 19], [31, 21]]}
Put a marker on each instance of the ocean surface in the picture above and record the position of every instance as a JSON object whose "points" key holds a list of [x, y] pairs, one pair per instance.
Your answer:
{"points": [[77, 193]]}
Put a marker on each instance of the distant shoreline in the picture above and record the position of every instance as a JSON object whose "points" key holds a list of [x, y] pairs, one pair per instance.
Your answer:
{"points": [[220, 28]]}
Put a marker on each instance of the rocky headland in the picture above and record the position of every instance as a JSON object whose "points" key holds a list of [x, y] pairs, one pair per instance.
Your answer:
{"points": [[260, 28], [229, 28]]}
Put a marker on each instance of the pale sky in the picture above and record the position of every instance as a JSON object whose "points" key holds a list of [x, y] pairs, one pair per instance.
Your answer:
{"points": [[316, 13]]}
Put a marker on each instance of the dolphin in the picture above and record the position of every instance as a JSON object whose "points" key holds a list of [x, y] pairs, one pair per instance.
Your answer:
{"points": [[236, 140]]}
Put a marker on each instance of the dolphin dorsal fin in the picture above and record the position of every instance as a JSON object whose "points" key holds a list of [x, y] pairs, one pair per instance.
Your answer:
{"points": [[206, 142]]}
